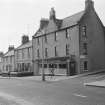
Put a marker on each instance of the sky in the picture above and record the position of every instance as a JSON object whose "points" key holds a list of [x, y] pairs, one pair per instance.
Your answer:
{"points": [[19, 17]]}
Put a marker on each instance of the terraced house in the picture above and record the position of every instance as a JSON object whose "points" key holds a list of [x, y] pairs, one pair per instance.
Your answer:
{"points": [[8, 64], [1, 62], [73, 45], [23, 57]]}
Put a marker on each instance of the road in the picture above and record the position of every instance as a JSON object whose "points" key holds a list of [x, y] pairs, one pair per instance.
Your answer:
{"points": [[65, 92]]}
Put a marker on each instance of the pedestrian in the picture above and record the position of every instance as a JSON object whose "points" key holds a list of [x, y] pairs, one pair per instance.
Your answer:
{"points": [[52, 72]]}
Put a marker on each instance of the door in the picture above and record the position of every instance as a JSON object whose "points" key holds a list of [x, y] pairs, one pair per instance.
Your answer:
{"points": [[72, 68]]}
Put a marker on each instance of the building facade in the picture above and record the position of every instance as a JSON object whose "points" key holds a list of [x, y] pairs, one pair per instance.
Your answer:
{"points": [[23, 56], [70, 46], [1, 62], [8, 64]]}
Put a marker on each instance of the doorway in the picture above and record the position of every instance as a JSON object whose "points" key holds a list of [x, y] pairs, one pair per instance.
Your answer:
{"points": [[72, 68]]}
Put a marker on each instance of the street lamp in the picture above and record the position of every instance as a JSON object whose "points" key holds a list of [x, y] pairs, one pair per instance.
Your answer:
{"points": [[43, 74]]}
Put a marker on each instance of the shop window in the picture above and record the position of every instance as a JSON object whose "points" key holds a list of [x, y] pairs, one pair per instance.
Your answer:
{"points": [[51, 65], [45, 65], [62, 66]]}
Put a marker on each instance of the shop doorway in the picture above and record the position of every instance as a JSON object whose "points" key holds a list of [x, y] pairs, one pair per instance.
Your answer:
{"points": [[72, 68]]}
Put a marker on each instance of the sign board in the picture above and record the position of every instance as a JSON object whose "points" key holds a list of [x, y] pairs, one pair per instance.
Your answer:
{"points": [[82, 56]]}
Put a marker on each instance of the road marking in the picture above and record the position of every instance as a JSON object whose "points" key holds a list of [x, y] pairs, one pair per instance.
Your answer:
{"points": [[18, 100], [79, 95]]}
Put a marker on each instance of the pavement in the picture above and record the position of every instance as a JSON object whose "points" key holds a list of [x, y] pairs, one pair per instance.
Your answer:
{"points": [[96, 83], [39, 78]]}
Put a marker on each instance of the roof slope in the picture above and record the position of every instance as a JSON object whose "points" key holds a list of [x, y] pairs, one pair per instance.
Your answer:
{"points": [[72, 20], [28, 44], [9, 53], [61, 24]]}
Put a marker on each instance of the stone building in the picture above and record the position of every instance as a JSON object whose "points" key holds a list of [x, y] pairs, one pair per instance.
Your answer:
{"points": [[1, 62], [8, 61], [73, 45], [23, 56]]}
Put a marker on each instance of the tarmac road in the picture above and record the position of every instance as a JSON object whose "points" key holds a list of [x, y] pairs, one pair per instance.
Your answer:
{"points": [[64, 92]]}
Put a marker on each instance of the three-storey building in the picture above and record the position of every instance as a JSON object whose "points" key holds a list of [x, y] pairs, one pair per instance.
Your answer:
{"points": [[73, 45]]}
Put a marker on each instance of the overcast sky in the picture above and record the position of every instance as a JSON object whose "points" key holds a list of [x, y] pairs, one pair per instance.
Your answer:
{"points": [[18, 17]]}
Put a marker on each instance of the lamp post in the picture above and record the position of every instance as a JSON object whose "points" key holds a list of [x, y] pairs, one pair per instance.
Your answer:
{"points": [[43, 74]]}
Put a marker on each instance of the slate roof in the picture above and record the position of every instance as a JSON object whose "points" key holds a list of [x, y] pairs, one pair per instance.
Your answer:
{"points": [[72, 20], [9, 53], [61, 24], [28, 44]]}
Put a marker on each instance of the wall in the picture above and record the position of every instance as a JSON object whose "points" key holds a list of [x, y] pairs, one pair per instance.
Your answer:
{"points": [[95, 40], [8, 62], [23, 56], [60, 43]]}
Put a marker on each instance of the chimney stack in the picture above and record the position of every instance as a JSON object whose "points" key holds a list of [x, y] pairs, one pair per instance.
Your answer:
{"points": [[1, 54], [89, 4], [52, 14], [43, 23], [25, 39], [10, 48]]}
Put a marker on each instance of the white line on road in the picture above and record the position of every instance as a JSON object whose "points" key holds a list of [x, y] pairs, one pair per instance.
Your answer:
{"points": [[15, 99], [79, 95]]}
